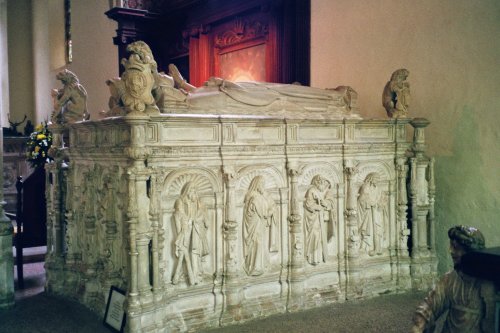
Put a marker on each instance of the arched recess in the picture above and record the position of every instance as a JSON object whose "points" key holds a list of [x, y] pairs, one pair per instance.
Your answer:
{"points": [[209, 189]]}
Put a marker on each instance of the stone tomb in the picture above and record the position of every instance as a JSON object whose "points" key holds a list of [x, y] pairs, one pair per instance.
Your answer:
{"points": [[217, 204], [211, 219]]}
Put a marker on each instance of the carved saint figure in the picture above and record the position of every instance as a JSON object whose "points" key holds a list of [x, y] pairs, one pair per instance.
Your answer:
{"points": [[70, 101], [258, 215], [372, 214], [396, 95], [468, 302], [317, 202], [191, 245]]}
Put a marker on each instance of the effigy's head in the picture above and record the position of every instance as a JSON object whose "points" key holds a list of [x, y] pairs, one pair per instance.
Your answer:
{"points": [[470, 238]]}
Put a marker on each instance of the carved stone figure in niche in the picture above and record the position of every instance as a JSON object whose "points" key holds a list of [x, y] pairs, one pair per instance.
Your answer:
{"points": [[372, 215], [467, 301], [396, 95], [139, 79], [258, 215], [70, 101], [191, 245], [318, 210]]}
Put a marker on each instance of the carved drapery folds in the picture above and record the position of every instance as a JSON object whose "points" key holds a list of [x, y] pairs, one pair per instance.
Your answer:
{"points": [[191, 224], [259, 227], [373, 215], [197, 215], [319, 219]]}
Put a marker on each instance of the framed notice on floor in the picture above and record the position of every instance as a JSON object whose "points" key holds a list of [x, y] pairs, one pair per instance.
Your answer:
{"points": [[114, 317]]}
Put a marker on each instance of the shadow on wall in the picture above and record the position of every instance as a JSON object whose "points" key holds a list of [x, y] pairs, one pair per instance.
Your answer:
{"points": [[462, 195]]}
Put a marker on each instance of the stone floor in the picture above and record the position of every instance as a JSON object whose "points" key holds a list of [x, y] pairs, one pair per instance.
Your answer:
{"points": [[37, 312]]}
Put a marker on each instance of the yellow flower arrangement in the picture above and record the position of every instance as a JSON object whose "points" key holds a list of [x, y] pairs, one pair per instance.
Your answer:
{"points": [[38, 146]]}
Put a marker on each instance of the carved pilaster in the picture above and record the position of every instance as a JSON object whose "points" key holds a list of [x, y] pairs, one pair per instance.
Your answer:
{"points": [[154, 205], [143, 239], [295, 221], [350, 213], [432, 195], [354, 285], [230, 231], [402, 206], [132, 215], [296, 277], [414, 208]]}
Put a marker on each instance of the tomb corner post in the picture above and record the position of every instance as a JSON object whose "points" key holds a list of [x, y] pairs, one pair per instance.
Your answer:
{"points": [[56, 175], [154, 212], [422, 192], [139, 220]]}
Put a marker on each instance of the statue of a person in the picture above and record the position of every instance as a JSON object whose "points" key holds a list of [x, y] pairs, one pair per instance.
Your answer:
{"points": [[316, 203], [70, 101], [396, 95], [467, 301], [191, 245], [258, 215], [372, 214]]}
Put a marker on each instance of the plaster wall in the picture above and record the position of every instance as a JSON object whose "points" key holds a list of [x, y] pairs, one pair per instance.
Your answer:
{"points": [[36, 54], [95, 58], [4, 68], [451, 48], [20, 61]]}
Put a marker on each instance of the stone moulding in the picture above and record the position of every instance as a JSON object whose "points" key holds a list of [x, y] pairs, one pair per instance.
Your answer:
{"points": [[213, 220]]}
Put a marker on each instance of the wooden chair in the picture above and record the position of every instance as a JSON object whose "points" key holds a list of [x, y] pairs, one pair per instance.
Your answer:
{"points": [[31, 217]]}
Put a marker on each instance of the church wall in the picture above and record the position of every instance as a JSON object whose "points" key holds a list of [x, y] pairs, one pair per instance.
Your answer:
{"points": [[20, 62], [95, 58], [35, 54], [451, 49]]}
